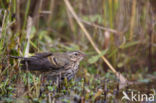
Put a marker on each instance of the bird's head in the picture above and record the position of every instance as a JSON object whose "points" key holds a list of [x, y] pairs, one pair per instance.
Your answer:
{"points": [[76, 56]]}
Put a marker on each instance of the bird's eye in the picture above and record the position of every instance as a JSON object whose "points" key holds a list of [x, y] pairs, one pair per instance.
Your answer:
{"points": [[76, 54]]}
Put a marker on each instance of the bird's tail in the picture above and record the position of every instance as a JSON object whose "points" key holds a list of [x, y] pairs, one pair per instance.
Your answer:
{"points": [[16, 57]]}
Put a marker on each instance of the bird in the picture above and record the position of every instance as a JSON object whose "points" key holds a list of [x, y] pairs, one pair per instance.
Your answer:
{"points": [[59, 65]]}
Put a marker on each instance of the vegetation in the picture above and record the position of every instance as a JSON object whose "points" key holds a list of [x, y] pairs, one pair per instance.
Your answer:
{"points": [[117, 35]]}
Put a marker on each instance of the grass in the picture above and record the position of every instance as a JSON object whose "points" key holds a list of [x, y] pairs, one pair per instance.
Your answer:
{"points": [[118, 29]]}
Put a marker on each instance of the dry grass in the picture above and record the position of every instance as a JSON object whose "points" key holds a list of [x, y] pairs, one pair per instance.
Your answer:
{"points": [[121, 32]]}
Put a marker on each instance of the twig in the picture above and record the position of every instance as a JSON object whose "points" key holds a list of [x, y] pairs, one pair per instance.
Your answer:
{"points": [[122, 79], [100, 27], [10, 24], [29, 26], [132, 23], [51, 8], [45, 12]]}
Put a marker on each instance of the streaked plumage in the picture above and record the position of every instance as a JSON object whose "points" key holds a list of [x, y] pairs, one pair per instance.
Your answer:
{"points": [[53, 64]]}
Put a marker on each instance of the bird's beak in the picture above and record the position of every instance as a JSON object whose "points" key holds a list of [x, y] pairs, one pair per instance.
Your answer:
{"points": [[83, 54]]}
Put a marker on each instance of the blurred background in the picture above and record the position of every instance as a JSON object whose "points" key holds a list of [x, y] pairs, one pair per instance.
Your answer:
{"points": [[124, 31]]}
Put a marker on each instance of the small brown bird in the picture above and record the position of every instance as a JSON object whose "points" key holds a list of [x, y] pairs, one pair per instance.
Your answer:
{"points": [[54, 65]]}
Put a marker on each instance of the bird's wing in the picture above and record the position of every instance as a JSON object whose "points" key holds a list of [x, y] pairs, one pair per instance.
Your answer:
{"points": [[58, 61], [37, 62], [42, 55], [38, 56], [46, 61]]}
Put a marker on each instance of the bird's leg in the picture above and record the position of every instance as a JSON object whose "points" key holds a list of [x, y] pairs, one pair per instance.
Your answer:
{"points": [[59, 80], [26, 64], [43, 84], [43, 78]]}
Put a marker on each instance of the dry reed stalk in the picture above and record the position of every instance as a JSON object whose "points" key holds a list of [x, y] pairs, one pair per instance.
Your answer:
{"points": [[18, 18], [51, 8], [29, 26], [132, 19], [122, 79]]}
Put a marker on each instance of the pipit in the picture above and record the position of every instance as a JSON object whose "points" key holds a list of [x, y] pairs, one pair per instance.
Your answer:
{"points": [[53, 65]]}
